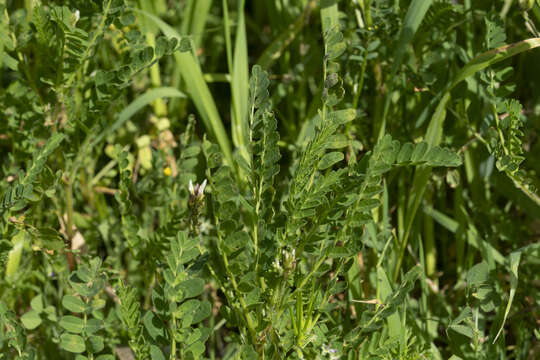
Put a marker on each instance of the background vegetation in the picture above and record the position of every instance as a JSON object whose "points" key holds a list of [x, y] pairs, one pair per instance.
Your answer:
{"points": [[272, 179]]}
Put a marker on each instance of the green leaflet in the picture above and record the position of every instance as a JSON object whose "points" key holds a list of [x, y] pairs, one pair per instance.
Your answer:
{"points": [[330, 159], [23, 190], [264, 151], [72, 343]]}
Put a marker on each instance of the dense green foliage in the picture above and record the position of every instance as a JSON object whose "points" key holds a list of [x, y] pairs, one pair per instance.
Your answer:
{"points": [[270, 179]]}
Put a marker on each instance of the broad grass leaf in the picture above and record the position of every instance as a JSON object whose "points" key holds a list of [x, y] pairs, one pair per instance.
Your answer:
{"points": [[385, 291], [199, 91]]}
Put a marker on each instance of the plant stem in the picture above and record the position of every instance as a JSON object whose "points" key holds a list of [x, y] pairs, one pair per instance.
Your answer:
{"points": [[247, 315], [69, 222]]}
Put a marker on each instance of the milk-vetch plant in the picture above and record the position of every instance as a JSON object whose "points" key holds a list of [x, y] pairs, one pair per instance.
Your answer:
{"points": [[269, 180]]}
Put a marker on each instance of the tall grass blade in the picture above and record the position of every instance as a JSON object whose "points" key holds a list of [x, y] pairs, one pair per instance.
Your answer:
{"points": [[279, 44], [138, 104], [240, 86], [479, 63], [435, 127], [198, 90], [415, 14], [514, 264], [385, 290], [199, 16]]}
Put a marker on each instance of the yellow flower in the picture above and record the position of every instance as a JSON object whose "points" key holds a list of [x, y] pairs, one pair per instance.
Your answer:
{"points": [[167, 171]]}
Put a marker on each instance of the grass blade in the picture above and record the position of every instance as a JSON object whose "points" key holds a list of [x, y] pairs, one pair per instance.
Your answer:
{"points": [[138, 104], [482, 61], [514, 264], [279, 44], [198, 20], [415, 14], [435, 127], [198, 90], [384, 290], [240, 86]]}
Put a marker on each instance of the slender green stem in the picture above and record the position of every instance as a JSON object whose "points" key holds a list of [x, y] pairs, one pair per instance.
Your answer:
{"points": [[173, 342], [239, 295], [69, 209], [429, 239], [227, 30]]}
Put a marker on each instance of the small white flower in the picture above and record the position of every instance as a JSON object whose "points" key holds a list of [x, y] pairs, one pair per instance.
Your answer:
{"points": [[201, 188], [197, 190], [75, 17], [205, 227]]}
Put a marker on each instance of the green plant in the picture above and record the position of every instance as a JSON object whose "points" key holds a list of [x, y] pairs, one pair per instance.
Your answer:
{"points": [[269, 180]]}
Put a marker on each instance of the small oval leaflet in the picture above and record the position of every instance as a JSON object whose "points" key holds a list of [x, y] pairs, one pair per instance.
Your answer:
{"points": [[330, 159]]}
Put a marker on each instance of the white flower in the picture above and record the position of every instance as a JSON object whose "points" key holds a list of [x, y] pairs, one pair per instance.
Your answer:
{"points": [[75, 17], [197, 190], [205, 227], [201, 188]]}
